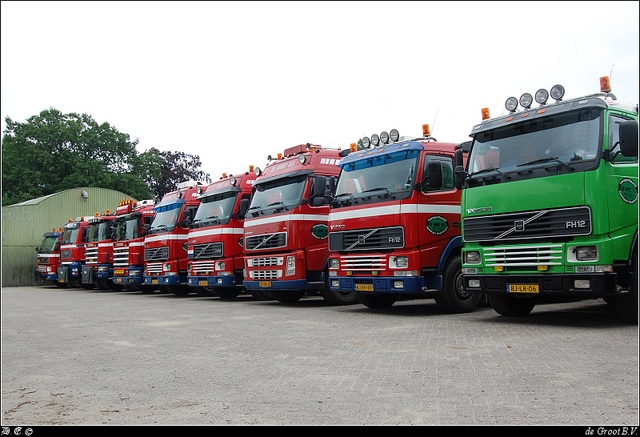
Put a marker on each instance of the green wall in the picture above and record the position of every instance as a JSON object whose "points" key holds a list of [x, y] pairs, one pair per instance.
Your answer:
{"points": [[24, 223]]}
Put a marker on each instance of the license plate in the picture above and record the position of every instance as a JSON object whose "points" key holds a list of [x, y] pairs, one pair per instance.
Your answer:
{"points": [[203, 283], [265, 284], [154, 281], [364, 287], [118, 279], [523, 288]]}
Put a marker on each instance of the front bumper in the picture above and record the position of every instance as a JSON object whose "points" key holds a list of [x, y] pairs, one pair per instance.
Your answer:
{"points": [[375, 284], [599, 284], [213, 281]]}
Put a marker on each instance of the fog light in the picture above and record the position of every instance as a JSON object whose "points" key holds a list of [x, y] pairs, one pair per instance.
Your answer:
{"points": [[335, 283], [470, 270], [398, 284], [474, 283], [582, 283]]}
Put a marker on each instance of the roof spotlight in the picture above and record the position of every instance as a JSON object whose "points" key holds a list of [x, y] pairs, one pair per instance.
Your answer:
{"points": [[375, 140], [366, 142], [526, 100], [394, 134], [384, 137], [557, 92], [542, 96], [511, 104]]}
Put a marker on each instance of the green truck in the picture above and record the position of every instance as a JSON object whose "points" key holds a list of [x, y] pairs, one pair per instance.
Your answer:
{"points": [[550, 203]]}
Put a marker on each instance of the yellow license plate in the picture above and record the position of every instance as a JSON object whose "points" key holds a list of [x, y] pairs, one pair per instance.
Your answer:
{"points": [[154, 281], [364, 287], [523, 288], [203, 283], [265, 284], [118, 279]]}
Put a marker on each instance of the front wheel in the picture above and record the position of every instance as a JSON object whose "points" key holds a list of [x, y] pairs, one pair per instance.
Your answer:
{"points": [[453, 298], [227, 293], [627, 303], [377, 300], [508, 305], [335, 297]]}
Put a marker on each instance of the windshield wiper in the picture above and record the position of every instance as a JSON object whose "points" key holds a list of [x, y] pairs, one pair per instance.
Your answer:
{"points": [[486, 170], [378, 189], [255, 207], [335, 199], [540, 161], [278, 206]]}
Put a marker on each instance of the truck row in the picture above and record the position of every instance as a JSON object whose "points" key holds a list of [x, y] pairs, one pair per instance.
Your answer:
{"points": [[541, 204]]}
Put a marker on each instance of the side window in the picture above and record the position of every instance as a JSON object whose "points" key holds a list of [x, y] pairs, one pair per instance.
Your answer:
{"points": [[446, 163], [614, 121]]}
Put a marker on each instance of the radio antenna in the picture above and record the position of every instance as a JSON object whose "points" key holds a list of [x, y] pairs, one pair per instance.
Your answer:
{"points": [[433, 128], [611, 74]]}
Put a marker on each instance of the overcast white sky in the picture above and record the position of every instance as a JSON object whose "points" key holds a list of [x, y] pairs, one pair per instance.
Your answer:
{"points": [[234, 82]]}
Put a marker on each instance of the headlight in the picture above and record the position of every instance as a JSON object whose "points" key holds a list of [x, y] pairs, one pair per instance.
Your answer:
{"points": [[220, 265], [586, 253], [472, 257], [398, 262], [291, 265], [334, 263]]}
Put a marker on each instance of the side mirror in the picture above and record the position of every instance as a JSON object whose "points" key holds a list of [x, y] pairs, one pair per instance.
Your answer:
{"points": [[628, 134], [459, 173], [319, 186], [242, 209], [433, 176]]}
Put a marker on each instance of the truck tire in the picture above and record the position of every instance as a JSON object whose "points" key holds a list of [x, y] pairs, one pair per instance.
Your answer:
{"points": [[627, 303], [372, 300], [508, 305], [335, 297], [261, 295], [453, 298], [288, 296]]}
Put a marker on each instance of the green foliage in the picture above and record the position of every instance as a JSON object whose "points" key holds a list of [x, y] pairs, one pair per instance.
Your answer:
{"points": [[52, 152]]}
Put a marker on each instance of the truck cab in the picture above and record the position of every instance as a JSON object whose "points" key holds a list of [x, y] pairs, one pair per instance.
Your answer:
{"points": [[74, 236], [49, 256], [394, 227], [165, 244], [550, 202], [215, 245], [131, 219], [286, 226], [98, 268]]}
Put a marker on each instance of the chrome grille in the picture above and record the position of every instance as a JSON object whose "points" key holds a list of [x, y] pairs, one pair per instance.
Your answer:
{"points": [[265, 274], [266, 241], [202, 266], [121, 257], [523, 256], [91, 255], [362, 262], [154, 268]]}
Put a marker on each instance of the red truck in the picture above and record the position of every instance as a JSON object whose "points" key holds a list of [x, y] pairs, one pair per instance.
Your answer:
{"points": [[286, 226], [49, 257], [131, 220], [214, 247], [165, 244], [98, 268], [74, 236], [394, 227]]}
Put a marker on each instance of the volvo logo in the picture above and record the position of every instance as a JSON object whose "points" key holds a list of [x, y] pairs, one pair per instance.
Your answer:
{"points": [[361, 239]]}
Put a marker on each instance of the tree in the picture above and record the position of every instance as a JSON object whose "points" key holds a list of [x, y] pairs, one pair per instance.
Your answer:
{"points": [[53, 151], [174, 167]]}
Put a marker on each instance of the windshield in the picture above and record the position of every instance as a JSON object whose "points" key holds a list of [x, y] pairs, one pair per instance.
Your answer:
{"points": [[48, 244], [166, 218], [70, 235], [561, 139], [275, 196], [215, 209], [128, 228], [99, 231], [382, 176]]}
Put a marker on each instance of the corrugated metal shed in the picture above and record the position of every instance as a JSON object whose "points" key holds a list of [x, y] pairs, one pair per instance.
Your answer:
{"points": [[24, 223]]}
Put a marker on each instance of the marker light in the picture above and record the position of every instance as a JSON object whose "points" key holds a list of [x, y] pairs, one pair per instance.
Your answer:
{"points": [[279, 156], [542, 96], [250, 169], [426, 132], [605, 85], [384, 137], [526, 100], [394, 134], [511, 104], [375, 140], [557, 92], [485, 114]]}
